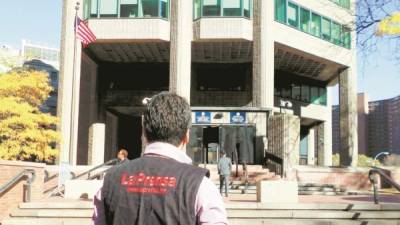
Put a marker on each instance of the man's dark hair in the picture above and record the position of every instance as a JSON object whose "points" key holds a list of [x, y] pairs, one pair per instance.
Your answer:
{"points": [[167, 118]]}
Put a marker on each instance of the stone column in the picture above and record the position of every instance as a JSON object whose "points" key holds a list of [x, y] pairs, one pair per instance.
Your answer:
{"points": [[311, 147], [181, 47], [68, 86], [348, 118], [284, 141], [97, 136], [263, 54]]}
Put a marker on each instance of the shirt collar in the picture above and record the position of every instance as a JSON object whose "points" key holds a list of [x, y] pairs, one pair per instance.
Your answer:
{"points": [[167, 150]]}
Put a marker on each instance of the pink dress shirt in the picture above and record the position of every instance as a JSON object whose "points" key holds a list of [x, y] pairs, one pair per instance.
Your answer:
{"points": [[209, 206]]}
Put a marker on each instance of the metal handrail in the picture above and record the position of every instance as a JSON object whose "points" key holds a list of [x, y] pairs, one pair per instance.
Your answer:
{"points": [[17, 178], [372, 175], [109, 162]]}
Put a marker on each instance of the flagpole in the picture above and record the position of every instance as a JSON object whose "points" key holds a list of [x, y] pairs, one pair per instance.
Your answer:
{"points": [[73, 102]]}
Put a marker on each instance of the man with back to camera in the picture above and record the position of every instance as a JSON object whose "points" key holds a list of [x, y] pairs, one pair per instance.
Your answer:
{"points": [[162, 187], [224, 171]]}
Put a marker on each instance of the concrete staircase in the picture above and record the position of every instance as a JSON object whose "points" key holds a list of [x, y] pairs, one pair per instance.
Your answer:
{"points": [[63, 212]]}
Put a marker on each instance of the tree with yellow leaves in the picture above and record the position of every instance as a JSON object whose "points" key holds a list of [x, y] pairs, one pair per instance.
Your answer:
{"points": [[25, 132]]}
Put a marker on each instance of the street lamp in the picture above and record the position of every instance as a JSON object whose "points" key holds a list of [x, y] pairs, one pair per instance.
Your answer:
{"points": [[379, 154]]}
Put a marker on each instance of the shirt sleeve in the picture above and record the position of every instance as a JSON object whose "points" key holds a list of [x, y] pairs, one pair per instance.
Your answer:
{"points": [[98, 217], [209, 205]]}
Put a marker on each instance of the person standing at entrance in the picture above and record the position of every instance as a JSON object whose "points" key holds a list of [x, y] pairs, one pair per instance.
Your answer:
{"points": [[122, 156], [161, 187], [224, 171]]}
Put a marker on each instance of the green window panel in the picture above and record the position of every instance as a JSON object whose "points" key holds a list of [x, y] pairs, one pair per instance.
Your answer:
{"points": [[86, 9], [211, 7], [247, 8], [293, 15], [296, 92], [232, 7], [322, 96], [164, 8], [280, 10], [305, 20], [346, 37], [305, 93], [314, 92], [108, 8], [93, 8], [315, 27], [336, 33], [197, 9], [345, 3], [129, 8], [326, 29], [150, 8]]}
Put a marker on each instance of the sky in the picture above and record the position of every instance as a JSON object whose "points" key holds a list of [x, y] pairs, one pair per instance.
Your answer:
{"points": [[39, 21]]}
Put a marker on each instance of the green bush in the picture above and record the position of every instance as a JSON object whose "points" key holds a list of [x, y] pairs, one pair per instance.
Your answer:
{"points": [[363, 161]]}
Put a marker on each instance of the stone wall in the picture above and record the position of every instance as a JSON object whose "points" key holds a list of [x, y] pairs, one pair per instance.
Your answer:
{"points": [[283, 142], [13, 196]]}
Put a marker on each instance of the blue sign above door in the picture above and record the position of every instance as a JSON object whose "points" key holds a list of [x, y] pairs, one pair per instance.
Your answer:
{"points": [[203, 117], [238, 117]]}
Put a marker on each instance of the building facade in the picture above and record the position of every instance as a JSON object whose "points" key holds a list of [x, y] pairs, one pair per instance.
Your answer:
{"points": [[240, 64], [46, 59], [378, 126]]}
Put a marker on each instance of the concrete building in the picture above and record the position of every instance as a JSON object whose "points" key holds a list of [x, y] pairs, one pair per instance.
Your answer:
{"points": [[242, 65], [378, 126]]}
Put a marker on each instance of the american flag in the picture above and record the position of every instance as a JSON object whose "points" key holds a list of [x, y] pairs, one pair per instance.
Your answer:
{"points": [[83, 32]]}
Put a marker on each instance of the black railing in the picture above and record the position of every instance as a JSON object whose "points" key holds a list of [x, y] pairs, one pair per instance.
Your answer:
{"points": [[90, 176], [373, 177], [30, 174], [89, 172]]}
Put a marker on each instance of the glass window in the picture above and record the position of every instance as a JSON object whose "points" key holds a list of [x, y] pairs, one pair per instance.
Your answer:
{"points": [[322, 96], [286, 90], [315, 27], [346, 37], [336, 33], [164, 7], [296, 92], [129, 8], [345, 3], [305, 20], [314, 95], [305, 93], [232, 8], [86, 9], [211, 7], [293, 15], [197, 9], [280, 10], [93, 8], [247, 8], [326, 29], [108, 8], [277, 91], [149, 8]]}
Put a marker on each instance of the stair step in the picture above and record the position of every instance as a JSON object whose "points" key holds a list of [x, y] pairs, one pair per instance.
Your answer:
{"points": [[46, 221], [312, 214], [53, 213], [310, 222]]}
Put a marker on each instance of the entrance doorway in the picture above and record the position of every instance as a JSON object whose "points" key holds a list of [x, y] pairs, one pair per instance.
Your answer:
{"points": [[211, 143], [207, 142], [129, 135]]}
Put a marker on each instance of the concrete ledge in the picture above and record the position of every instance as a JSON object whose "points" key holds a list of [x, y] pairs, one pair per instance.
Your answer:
{"points": [[277, 191], [76, 189], [22, 164]]}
